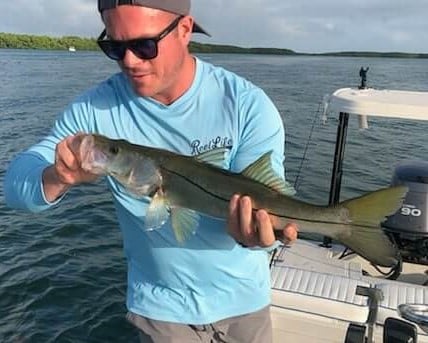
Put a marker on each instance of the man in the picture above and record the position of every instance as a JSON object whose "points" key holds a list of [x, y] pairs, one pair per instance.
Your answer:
{"points": [[215, 287]]}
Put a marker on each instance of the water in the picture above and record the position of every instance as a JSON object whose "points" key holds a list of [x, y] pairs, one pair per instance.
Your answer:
{"points": [[62, 272]]}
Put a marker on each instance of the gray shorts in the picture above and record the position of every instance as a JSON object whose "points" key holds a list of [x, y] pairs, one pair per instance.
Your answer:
{"points": [[254, 327]]}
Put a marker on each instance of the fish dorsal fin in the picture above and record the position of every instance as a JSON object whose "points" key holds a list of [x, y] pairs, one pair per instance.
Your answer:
{"points": [[214, 157], [184, 223], [261, 171], [157, 213]]}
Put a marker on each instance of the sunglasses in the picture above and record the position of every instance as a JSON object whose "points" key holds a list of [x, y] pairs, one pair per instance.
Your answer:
{"points": [[144, 48]]}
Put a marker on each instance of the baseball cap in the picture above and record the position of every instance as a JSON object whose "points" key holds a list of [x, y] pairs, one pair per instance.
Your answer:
{"points": [[181, 7]]}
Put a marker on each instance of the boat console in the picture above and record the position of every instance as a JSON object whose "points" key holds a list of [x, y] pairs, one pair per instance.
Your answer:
{"points": [[409, 225]]}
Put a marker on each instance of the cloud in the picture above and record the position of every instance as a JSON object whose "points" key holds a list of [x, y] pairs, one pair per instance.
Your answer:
{"points": [[50, 17], [304, 25], [319, 25]]}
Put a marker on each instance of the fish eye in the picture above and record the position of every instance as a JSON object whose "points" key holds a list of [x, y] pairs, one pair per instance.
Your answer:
{"points": [[114, 150]]}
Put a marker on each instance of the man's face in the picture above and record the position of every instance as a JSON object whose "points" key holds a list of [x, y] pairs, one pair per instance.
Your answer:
{"points": [[160, 77]]}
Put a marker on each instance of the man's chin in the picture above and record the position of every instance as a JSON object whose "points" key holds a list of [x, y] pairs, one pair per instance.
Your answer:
{"points": [[143, 90]]}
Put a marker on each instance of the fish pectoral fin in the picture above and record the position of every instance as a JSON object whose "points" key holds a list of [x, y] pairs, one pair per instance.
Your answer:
{"points": [[184, 222], [215, 157], [157, 213], [261, 170]]}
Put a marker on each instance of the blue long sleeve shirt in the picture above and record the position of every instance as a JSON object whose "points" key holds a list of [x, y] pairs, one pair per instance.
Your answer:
{"points": [[210, 277]]}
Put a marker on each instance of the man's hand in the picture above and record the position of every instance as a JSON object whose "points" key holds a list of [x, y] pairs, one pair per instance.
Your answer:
{"points": [[254, 229], [66, 171]]}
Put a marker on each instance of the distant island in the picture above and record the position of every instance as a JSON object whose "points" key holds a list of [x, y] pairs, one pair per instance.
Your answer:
{"points": [[72, 43]]}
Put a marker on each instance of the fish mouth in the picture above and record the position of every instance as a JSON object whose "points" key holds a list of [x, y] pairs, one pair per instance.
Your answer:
{"points": [[92, 159]]}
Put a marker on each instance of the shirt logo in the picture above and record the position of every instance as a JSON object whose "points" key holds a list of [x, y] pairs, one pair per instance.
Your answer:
{"points": [[199, 147]]}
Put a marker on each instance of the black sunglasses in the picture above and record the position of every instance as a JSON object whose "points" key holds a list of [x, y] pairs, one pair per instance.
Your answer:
{"points": [[144, 48]]}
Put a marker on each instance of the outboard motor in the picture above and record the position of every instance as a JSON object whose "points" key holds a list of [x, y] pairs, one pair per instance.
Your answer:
{"points": [[409, 225]]}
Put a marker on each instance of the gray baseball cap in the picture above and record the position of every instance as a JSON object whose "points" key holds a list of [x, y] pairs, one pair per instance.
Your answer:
{"points": [[181, 7]]}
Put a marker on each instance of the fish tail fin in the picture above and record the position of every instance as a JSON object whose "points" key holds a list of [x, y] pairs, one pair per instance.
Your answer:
{"points": [[372, 244], [365, 214]]}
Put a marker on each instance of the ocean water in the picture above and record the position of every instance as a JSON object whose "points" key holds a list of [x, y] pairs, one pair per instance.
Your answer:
{"points": [[62, 272]]}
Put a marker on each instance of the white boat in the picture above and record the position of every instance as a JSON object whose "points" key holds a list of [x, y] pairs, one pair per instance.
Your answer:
{"points": [[71, 49], [320, 294]]}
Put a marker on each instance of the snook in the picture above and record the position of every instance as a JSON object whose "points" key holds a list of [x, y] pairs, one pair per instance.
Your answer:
{"points": [[182, 186]]}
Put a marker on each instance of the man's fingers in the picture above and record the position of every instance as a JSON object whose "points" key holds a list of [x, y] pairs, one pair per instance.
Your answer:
{"points": [[246, 221], [240, 221], [65, 156], [255, 228], [74, 142], [233, 219], [67, 164], [290, 233], [265, 233]]}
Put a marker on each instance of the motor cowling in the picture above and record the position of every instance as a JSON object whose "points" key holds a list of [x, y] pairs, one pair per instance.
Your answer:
{"points": [[409, 225]]}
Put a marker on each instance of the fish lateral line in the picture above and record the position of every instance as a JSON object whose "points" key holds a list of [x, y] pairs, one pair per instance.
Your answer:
{"points": [[195, 184], [257, 209]]}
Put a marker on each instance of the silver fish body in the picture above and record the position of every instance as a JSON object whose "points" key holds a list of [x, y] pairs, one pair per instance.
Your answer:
{"points": [[183, 186]]}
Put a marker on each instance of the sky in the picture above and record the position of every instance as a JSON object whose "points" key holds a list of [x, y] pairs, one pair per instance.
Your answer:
{"points": [[299, 25]]}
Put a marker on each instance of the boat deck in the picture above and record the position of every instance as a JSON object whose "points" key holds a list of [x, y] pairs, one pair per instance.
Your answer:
{"points": [[314, 293]]}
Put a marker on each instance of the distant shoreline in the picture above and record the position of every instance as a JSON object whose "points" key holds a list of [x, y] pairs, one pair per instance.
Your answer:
{"points": [[23, 41]]}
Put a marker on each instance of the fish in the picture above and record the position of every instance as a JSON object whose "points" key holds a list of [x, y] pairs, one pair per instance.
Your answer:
{"points": [[183, 187]]}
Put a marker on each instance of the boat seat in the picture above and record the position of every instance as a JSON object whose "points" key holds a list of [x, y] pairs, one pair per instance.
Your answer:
{"points": [[308, 255], [396, 293], [322, 294]]}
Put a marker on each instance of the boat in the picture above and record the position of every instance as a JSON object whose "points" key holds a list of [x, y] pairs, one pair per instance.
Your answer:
{"points": [[321, 292], [71, 49]]}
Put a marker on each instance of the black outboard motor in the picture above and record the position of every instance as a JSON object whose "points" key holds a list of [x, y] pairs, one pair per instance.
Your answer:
{"points": [[409, 225]]}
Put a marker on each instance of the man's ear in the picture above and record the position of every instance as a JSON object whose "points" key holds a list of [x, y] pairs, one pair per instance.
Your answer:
{"points": [[185, 27]]}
